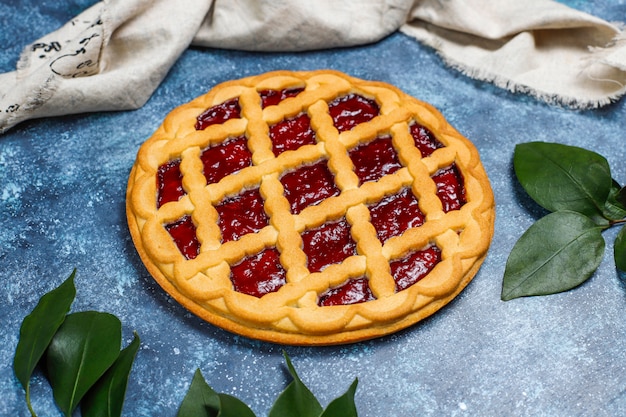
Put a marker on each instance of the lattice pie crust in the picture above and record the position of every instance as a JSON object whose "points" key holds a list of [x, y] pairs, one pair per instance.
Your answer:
{"points": [[286, 306]]}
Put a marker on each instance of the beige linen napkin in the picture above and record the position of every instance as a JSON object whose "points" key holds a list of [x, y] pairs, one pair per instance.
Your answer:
{"points": [[115, 54], [540, 47], [110, 57]]}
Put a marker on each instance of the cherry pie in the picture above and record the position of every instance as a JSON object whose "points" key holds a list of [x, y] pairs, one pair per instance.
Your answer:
{"points": [[309, 208]]}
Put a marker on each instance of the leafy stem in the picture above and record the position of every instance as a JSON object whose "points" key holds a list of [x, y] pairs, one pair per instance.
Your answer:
{"points": [[563, 249], [296, 400], [85, 367], [38, 329], [78, 351], [28, 403]]}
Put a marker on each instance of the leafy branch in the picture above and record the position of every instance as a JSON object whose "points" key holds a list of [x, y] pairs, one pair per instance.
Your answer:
{"points": [[81, 352], [295, 401], [563, 249], [85, 367]]}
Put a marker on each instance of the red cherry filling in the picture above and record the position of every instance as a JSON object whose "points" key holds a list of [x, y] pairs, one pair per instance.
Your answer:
{"points": [[424, 139], [219, 114], [169, 183], [410, 269], [241, 215], [291, 133], [273, 97], [328, 244], [450, 189], [259, 274], [332, 242], [375, 159], [308, 185], [183, 232], [225, 158], [351, 110], [395, 214], [352, 292]]}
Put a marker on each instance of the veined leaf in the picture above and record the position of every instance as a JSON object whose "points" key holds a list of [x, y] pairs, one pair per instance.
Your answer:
{"points": [[38, 329], [343, 406], [106, 397], [200, 400], [619, 250], [84, 347], [561, 177], [233, 407], [621, 197], [296, 400], [557, 253], [615, 206]]}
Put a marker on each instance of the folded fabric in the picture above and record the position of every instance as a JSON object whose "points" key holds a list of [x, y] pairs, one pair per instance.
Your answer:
{"points": [[543, 48], [116, 53]]}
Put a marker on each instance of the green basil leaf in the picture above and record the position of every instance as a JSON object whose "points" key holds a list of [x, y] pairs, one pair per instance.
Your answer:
{"points": [[343, 406], [614, 207], [38, 328], [557, 253], [84, 347], [296, 400], [106, 397], [233, 407], [621, 197], [561, 177], [200, 400], [619, 250]]}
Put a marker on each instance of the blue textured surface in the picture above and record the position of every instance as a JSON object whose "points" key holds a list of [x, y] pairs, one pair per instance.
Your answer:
{"points": [[62, 189]]}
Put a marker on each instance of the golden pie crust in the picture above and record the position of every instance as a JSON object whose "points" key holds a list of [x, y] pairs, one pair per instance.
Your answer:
{"points": [[291, 315]]}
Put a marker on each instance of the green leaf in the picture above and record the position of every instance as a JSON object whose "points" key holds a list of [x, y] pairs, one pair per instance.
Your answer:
{"points": [[614, 207], [621, 197], [233, 407], [343, 406], [84, 347], [619, 250], [200, 400], [561, 177], [106, 397], [557, 253], [296, 400], [38, 328]]}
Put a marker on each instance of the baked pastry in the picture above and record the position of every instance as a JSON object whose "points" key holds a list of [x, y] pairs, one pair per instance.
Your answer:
{"points": [[309, 208]]}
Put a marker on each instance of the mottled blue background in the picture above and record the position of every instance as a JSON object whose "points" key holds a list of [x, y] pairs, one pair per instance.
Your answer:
{"points": [[62, 189]]}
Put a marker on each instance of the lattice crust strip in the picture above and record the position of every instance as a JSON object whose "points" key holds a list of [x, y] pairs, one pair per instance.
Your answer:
{"points": [[291, 311]]}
